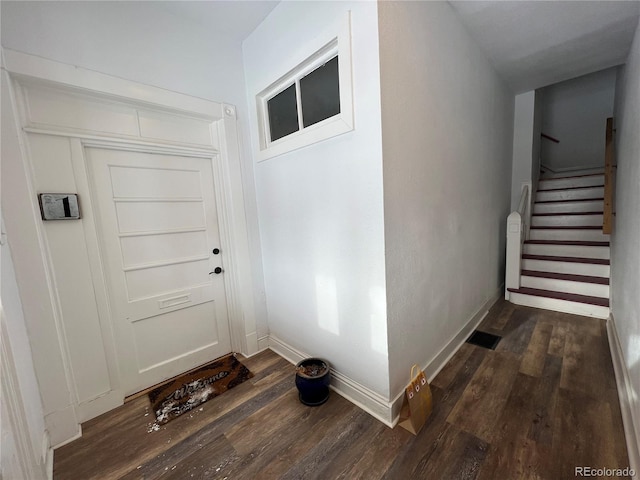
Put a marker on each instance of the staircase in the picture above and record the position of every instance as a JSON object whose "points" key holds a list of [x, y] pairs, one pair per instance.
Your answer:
{"points": [[565, 261]]}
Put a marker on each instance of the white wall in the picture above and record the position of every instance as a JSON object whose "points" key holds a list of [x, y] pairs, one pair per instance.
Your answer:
{"points": [[140, 41], [320, 207], [523, 127], [27, 393], [575, 112], [527, 124], [447, 133], [133, 40], [625, 255]]}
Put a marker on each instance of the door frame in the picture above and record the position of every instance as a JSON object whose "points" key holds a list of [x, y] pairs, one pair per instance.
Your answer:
{"points": [[45, 324]]}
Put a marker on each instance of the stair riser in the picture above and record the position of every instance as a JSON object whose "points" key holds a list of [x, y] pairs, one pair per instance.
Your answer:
{"points": [[568, 251], [562, 234], [571, 182], [595, 192], [566, 267], [569, 207], [567, 220], [566, 286], [559, 305]]}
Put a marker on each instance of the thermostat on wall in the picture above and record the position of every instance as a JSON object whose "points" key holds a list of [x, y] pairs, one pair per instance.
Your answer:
{"points": [[59, 206]]}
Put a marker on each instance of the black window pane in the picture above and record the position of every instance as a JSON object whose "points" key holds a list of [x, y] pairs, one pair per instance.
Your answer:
{"points": [[320, 92], [283, 113]]}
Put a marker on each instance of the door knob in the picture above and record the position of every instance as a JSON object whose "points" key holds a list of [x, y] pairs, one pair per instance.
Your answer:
{"points": [[216, 251], [217, 271]]}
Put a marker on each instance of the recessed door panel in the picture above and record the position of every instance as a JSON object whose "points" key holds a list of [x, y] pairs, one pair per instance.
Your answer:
{"points": [[154, 281], [193, 331], [134, 182], [144, 249], [159, 215]]}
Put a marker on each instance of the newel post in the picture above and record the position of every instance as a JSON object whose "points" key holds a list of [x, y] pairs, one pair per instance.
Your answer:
{"points": [[514, 252]]}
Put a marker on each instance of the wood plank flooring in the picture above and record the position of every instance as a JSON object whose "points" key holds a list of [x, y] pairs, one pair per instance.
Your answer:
{"points": [[542, 403]]}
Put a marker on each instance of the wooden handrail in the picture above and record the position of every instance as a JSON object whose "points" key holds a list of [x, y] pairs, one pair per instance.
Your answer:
{"points": [[549, 137], [524, 199], [607, 219]]}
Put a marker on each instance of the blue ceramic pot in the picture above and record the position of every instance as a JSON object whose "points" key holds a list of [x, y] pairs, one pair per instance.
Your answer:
{"points": [[313, 377]]}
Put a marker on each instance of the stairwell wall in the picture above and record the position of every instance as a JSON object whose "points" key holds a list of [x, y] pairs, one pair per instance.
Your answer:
{"points": [[447, 136], [575, 112], [625, 255]]}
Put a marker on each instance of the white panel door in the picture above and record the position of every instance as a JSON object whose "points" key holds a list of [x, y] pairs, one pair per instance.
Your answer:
{"points": [[158, 223]]}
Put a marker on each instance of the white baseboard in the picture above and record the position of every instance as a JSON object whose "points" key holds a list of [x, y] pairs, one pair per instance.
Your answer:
{"points": [[70, 439], [252, 343], [46, 447], [263, 343], [628, 404], [63, 426], [48, 456], [376, 405], [99, 405], [437, 363], [285, 350], [368, 400], [440, 360]]}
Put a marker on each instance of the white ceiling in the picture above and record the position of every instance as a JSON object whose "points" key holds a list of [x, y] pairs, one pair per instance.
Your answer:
{"points": [[531, 43], [536, 43], [234, 18]]}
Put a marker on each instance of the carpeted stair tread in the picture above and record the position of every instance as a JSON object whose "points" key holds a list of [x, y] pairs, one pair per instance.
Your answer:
{"points": [[570, 200], [568, 227], [576, 243], [550, 179], [571, 297], [553, 258], [570, 188], [566, 276], [565, 213]]}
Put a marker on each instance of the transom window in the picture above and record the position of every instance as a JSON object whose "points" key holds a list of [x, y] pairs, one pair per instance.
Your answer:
{"points": [[309, 100], [310, 103]]}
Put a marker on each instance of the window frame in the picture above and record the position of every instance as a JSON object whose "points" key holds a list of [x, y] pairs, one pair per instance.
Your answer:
{"points": [[336, 42]]}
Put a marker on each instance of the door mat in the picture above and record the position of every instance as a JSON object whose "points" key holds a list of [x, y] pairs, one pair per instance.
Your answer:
{"points": [[196, 387], [484, 339]]}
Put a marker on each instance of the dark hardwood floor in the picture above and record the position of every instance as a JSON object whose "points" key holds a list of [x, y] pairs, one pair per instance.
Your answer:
{"points": [[542, 403]]}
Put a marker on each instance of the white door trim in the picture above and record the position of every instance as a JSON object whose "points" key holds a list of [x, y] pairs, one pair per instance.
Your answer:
{"points": [[34, 67], [27, 69], [116, 396], [28, 461]]}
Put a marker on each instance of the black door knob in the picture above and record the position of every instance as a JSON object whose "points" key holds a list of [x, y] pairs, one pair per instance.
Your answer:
{"points": [[216, 251], [217, 270]]}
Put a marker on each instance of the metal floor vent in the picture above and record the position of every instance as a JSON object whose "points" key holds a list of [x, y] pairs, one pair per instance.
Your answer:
{"points": [[484, 339]]}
